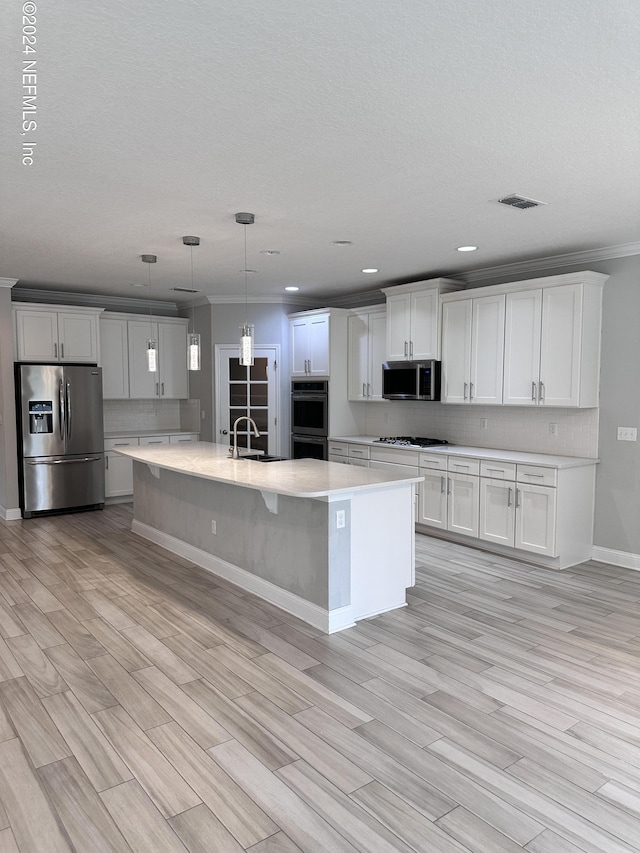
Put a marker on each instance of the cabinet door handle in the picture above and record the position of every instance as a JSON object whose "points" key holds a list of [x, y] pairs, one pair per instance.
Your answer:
{"points": [[364, 389], [541, 397], [465, 392], [162, 384], [369, 394], [61, 350], [122, 444], [509, 497], [517, 498], [410, 349], [533, 475], [157, 395], [470, 391], [442, 485], [459, 465], [406, 349], [496, 470], [106, 462], [448, 485], [55, 350], [533, 391]]}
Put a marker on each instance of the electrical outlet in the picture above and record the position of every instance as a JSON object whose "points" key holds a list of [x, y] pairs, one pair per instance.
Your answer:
{"points": [[213, 526], [627, 434], [553, 429], [484, 423], [341, 520]]}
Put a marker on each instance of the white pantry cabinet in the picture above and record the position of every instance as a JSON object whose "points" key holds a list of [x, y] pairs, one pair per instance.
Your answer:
{"points": [[310, 344], [366, 333], [473, 350], [170, 381], [413, 319], [552, 342], [57, 333]]}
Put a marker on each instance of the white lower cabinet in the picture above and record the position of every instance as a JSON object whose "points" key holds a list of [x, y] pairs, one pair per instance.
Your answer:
{"points": [[118, 470], [535, 529], [449, 495]]}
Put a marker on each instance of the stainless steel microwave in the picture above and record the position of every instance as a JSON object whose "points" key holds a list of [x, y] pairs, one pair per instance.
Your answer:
{"points": [[411, 380]]}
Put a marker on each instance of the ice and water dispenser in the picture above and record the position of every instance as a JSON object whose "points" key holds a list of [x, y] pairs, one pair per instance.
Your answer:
{"points": [[40, 416]]}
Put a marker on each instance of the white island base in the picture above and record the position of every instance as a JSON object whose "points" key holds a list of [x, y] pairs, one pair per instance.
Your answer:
{"points": [[329, 559]]}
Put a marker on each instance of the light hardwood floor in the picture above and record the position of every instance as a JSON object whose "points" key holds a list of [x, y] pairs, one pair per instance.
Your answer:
{"points": [[147, 706]]}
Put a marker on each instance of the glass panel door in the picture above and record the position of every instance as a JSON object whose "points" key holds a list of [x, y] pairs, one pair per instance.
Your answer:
{"points": [[247, 392]]}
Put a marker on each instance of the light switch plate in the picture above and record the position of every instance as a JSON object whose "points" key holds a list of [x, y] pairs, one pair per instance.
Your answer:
{"points": [[627, 433]]}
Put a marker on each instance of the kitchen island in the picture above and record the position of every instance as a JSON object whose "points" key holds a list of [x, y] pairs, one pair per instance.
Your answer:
{"points": [[328, 543]]}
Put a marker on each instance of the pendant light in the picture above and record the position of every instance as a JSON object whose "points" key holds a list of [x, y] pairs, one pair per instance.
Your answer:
{"points": [[246, 331], [152, 346], [193, 337]]}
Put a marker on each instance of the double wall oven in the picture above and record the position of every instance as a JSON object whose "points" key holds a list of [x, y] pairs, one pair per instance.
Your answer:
{"points": [[309, 419]]}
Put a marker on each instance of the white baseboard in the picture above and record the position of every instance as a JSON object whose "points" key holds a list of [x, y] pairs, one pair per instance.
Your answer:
{"points": [[10, 514], [617, 558], [324, 620]]}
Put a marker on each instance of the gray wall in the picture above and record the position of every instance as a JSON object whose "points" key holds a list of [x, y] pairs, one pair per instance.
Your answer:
{"points": [[8, 452], [617, 512]]}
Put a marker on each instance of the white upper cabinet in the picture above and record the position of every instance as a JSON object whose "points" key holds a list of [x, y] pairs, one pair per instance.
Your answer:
{"points": [[473, 350], [56, 333], [413, 319], [170, 381], [114, 352], [552, 343], [309, 344], [366, 331]]}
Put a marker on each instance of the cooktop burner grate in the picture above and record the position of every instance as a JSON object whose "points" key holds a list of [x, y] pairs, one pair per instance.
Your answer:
{"points": [[411, 441]]}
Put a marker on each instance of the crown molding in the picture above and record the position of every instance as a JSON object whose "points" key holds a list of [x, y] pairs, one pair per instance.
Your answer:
{"points": [[588, 256], [266, 300], [128, 304], [7, 282]]}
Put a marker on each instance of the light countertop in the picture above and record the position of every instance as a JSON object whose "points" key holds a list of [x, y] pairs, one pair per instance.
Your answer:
{"points": [[137, 433], [303, 478], [545, 460]]}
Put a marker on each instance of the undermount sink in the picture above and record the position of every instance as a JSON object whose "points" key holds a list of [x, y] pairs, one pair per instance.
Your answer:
{"points": [[262, 457]]}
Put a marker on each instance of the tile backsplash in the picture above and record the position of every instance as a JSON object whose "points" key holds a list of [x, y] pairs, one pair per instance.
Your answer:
{"points": [[123, 415], [508, 427]]}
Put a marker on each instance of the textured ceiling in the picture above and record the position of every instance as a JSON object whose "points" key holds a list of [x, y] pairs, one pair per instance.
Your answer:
{"points": [[395, 125]]}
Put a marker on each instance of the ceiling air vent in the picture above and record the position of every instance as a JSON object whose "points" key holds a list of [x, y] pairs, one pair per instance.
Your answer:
{"points": [[520, 201], [184, 290]]}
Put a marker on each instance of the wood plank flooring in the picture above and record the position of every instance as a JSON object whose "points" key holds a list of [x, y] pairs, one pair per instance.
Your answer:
{"points": [[148, 706]]}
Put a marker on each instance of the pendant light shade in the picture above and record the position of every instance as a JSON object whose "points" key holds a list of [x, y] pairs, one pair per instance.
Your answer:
{"points": [[193, 337], [246, 330], [152, 346]]}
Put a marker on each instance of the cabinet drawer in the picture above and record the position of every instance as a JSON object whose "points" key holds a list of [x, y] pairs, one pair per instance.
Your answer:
{"points": [[391, 454], [359, 451], [115, 443], [435, 462], [185, 438], [146, 440], [537, 475], [338, 448], [462, 465], [359, 463], [498, 470]]}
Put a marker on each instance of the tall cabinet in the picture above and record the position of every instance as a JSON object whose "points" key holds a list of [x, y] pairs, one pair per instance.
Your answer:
{"points": [[367, 340]]}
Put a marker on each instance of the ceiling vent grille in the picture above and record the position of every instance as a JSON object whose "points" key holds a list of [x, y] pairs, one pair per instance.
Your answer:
{"points": [[184, 290], [520, 202]]}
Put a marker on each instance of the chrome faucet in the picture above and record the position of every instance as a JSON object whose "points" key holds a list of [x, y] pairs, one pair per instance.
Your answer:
{"points": [[233, 451]]}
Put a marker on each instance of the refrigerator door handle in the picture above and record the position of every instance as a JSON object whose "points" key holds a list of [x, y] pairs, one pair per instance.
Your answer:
{"points": [[61, 409], [64, 461], [68, 401]]}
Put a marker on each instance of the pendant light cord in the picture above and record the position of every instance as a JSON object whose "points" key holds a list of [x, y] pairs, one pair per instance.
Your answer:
{"points": [[246, 288]]}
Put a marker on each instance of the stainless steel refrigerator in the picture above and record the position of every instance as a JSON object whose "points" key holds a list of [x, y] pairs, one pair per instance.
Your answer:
{"points": [[60, 437]]}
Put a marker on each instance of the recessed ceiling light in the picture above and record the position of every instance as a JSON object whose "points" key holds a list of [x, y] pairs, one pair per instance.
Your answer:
{"points": [[137, 284], [248, 271], [369, 270], [466, 248], [269, 252], [341, 243], [292, 288]]}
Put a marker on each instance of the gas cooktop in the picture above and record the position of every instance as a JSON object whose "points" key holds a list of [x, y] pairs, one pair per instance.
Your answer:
{"points": [[410, 441]]}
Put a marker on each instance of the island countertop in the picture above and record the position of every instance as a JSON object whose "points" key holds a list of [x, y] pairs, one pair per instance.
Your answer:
{"points": [[303, 478]]}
